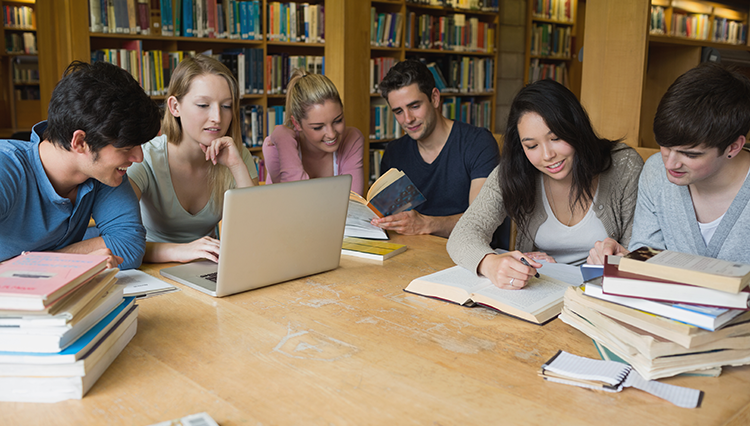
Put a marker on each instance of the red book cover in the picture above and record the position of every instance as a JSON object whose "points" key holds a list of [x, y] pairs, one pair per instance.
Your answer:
{"points": [[46, 275]]}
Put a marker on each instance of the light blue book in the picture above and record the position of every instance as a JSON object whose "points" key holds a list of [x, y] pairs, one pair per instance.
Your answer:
{"points": [[77, 349]]}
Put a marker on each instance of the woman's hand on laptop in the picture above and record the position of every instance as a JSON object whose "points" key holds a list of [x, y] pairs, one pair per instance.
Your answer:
{"points": [[202, 248]]}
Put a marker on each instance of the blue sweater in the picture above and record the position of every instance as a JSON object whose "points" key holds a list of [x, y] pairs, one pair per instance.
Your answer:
{"points": [[33, 217]]}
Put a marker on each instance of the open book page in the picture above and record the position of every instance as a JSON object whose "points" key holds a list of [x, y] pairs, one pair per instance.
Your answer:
{"points": [[539, 294], [455, 284], [570, 274], [358, 218], [140, 284]]}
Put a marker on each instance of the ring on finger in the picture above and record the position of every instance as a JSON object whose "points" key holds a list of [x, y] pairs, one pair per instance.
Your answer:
{"points": [[511, 281]]}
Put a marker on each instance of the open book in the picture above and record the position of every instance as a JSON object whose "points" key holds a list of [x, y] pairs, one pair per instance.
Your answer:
{"points": [[392, 193], [538, 302]]}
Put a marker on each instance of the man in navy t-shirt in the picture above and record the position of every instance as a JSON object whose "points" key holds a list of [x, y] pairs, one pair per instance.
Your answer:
{"points": [[447, 160]]}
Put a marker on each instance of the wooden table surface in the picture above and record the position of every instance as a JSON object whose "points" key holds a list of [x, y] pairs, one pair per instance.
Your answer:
{"points": [[350, 347]]}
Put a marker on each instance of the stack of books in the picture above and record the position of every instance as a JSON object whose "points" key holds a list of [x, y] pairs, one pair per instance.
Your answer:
{"points": [[666, 313], [63, 320]]}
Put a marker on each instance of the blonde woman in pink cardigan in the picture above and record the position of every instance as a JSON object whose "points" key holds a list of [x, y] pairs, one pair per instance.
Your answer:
{"points": [[314, 140]]}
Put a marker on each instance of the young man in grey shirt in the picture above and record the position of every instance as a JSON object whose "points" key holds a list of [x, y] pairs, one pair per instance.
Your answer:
{"points": [[693, 198]]}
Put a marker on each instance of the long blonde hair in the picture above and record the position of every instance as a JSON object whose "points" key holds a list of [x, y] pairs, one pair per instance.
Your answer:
{"points": [[305, 90], [219, 178]]}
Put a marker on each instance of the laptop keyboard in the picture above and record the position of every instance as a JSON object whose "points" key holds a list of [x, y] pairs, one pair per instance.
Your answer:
{"points": [[211, 277]]}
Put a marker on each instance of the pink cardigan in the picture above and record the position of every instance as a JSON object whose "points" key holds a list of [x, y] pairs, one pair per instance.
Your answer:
{"points": [[281, 154]]}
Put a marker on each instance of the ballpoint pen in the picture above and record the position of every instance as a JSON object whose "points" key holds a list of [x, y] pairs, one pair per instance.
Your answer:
{"points": [[536, 275]]}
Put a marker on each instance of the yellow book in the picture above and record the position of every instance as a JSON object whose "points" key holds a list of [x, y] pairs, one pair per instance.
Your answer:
{"points": [[369, 249]]}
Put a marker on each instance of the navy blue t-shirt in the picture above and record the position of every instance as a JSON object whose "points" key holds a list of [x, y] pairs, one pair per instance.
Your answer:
{"points": [[469, 153]]}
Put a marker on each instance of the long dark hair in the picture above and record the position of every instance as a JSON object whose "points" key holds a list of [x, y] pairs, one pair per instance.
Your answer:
{"points": [[566, 118]]}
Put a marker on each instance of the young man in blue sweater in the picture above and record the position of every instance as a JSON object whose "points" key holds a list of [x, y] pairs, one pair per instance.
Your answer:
{"points": [[74, 169], [694, 197]]}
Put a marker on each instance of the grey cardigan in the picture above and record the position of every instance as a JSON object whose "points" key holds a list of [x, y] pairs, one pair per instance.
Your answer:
{"points": [[615, 205]]}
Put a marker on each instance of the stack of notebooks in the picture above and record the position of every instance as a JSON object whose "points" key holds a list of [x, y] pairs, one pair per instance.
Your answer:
{"points": [[666, 313], [63, 320]]}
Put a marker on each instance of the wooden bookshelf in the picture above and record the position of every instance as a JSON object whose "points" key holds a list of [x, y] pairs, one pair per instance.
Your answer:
{"points": [[20, 107], [554, 30], [636, 64], [406, 43]]}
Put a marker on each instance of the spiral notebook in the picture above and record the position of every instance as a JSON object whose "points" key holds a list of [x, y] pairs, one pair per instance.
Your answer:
{"points": [[613, 376]]}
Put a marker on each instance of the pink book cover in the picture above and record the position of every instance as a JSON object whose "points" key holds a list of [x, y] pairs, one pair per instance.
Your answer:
{"points": [[47, 275]]}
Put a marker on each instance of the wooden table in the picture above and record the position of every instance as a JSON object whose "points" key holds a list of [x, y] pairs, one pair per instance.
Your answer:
{"points": [[349, 347]]}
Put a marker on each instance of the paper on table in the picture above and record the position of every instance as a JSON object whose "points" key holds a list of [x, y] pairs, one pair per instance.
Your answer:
{"points": [[613, 372], [142, 285]]}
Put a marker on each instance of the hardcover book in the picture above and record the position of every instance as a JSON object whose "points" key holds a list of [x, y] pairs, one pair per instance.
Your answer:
{"points": [[621, 283], [34, 280], [392, 193], [538, 302], [687, 268]]}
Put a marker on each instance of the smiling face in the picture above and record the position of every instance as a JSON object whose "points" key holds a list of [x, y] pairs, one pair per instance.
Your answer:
{"points": [[110, 164], [414, 110], [685, 166], [548, 153], [205, 111], [323, 126]]}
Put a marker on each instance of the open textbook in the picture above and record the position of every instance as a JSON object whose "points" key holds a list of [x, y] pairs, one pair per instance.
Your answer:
{"points": [[538, 302], [392, 193]]}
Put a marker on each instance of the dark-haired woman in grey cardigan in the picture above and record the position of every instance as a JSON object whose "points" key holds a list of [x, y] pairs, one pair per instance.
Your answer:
{"points": [[563, 186]]}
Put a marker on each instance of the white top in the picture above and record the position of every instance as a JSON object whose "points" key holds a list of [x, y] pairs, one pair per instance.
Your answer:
{"points": [[708, 229], [165, 219], [569, 244]]}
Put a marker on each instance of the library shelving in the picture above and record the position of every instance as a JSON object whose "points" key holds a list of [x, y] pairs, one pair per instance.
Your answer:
{"points": [[642, 47], [552, 28], [457, 39], [20, 106]]}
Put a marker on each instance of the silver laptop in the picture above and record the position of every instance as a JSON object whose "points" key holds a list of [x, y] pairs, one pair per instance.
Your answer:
{"points": [[273, 233]]}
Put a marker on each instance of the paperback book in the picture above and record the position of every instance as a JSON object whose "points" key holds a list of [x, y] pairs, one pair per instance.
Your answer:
{"points": [[370, 249]]}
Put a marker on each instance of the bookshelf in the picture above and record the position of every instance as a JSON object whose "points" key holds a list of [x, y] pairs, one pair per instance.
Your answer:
{"points": [[638, 61], [20, 105], [457, 36], [552, 28]]}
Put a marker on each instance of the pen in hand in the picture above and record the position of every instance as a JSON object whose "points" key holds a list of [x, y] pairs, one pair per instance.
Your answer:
{"points": [[536, 275]]}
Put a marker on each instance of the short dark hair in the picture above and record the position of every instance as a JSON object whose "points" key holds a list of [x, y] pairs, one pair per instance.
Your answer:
{"points": [[104, 101], [568, 120], [709, 105], [405, 73]]}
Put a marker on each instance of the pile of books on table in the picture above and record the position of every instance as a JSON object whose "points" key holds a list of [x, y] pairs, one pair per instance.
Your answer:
{"points": [[666, 313], [62, 323]]}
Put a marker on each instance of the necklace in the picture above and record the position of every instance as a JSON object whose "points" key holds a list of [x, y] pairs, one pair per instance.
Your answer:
{"points": [[551, 198]]}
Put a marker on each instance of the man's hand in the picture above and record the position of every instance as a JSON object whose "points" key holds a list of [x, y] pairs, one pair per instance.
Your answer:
{"points": [[406, 223], [605, 248]]}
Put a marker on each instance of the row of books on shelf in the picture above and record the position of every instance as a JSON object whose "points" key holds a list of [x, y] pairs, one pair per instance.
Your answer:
{"points": [[698, 26], [539, 70], [385, 29], [256, 124], [666, 313], [25, 75], [63, 321], [558, 10], [27, 90], [296, 22], [21, 17], [153, 68], [383, 124], [468, 110], [464, 74], [449, 32], [482, 5], [551, 40], [21, 43], [376, 156], [379, 67]]}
